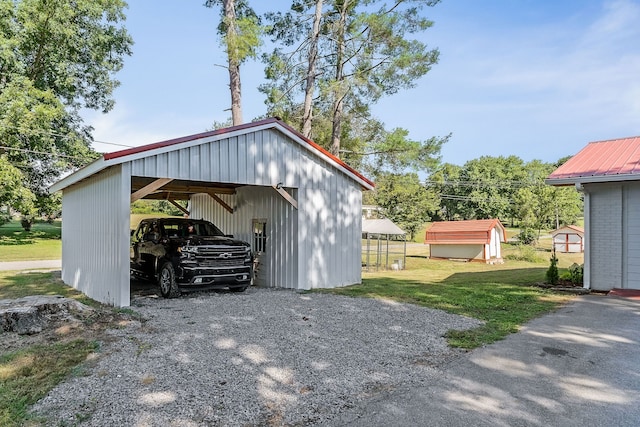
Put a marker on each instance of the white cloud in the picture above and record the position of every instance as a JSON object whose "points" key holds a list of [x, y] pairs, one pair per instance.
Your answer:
{"points": [[620, 19]]}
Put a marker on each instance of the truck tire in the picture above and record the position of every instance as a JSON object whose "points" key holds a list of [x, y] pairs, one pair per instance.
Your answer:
{"points": [[167, 281]]}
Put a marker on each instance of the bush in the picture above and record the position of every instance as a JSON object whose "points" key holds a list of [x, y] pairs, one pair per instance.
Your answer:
{"points": [[527, 236], [552, 275], [525, 253], [576, 273]]}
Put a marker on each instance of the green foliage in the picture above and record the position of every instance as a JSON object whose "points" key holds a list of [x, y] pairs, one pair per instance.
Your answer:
{"points": [[12, 192], [525, 252], [364, 52], [404, 200], [153, 207], [576, 273], [506, 188], [243, 42], [552, 276], [28, 375], [55, 59], [527, 236]]}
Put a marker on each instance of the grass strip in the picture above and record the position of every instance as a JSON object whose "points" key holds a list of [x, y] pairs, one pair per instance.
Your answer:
{"points": [[29, 374]]}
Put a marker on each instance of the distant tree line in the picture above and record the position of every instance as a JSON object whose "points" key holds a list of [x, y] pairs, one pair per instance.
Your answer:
{"points": [[500, 187]]}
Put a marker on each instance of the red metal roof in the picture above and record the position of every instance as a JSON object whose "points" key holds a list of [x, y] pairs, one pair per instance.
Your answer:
{"points": [[477, 231], [162, 144], [575, 228], [601, 159]]}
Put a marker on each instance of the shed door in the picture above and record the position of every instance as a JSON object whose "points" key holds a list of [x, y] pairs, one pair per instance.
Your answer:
{"points": [[631, 237], [495, 243]]}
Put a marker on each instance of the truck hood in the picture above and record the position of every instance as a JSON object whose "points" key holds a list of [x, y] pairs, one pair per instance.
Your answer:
{"points": [[214, 241]]}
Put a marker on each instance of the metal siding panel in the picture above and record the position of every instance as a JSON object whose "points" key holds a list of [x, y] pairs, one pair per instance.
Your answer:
{"points": [[194, 171], [260, 169], [631, 236], [162, 165], [150, 167], [242, 159], [233, 160], [184, 163], [224, 160], [606, 236], [292, 165], [276, 160], [205, 162], [96, 208], [173, 161], [331, 245], [252, 150]]}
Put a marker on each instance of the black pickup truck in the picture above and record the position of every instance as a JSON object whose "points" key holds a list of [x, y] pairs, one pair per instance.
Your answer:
{"points": [[184, 254]]}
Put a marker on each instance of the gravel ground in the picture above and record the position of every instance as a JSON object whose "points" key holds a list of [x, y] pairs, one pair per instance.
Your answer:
{"points": [[262, 357]]}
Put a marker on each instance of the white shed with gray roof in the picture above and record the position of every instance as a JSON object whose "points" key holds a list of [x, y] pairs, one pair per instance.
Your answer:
{"points": [[307, 201]]}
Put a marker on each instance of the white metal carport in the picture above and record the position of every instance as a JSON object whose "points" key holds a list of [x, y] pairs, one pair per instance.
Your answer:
{"points": [[307, 201]]}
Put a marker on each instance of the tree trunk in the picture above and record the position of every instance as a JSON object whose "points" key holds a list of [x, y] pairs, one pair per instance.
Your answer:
{"points": [[307, 117], [234, 62], [338, 92]]}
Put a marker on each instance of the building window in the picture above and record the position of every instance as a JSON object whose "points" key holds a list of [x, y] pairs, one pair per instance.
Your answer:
{"points": [[259, 235]]}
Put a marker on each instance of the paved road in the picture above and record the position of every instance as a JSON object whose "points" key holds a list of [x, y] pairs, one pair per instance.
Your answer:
{"points": [[579, 366], [54, 264]]}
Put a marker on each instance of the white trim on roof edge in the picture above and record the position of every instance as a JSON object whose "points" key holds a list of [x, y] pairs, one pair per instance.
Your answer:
{"points": [[101, 164], [592, 179]]}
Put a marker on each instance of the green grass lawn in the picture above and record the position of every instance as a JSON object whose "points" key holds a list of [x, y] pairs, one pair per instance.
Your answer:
{"points": [[28, 374], [42, 242]]}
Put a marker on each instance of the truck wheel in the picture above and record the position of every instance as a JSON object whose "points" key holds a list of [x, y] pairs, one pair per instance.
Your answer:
{"points": [[167, 281]]}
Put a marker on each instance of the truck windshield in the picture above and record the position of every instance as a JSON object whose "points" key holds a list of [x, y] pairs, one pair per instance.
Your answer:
{"points": [[206, 229], [195, 228]]}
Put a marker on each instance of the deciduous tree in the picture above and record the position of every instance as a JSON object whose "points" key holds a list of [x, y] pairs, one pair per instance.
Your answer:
{"points": [[56, 57], [405, 200]]}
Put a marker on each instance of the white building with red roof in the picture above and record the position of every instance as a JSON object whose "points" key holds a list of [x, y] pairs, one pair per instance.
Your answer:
{"points": [[472, 240], [568, 239], [306, 202], [608, 173]]}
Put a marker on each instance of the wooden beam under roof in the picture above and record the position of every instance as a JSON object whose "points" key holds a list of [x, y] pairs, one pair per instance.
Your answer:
{"points": [[288, 197], [178, 189], [221, 202], [179, 206], [149, 188], [192, 190]]}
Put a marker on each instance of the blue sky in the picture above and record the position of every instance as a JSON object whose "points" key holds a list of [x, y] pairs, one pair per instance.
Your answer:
{"points": [[533, 78]]}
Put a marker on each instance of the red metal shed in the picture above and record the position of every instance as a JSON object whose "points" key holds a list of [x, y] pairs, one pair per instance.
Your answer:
{"points": [[472, 240]]}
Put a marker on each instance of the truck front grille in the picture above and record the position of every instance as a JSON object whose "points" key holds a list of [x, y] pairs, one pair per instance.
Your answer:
{"points": [[212, 256]]}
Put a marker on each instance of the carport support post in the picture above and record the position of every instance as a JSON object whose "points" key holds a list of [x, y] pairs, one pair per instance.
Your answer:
{"points": [[387, 262], [404, 255]]}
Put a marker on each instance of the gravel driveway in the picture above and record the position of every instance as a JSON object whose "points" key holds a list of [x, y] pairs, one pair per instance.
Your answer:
{"points": [[262, 357]]}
